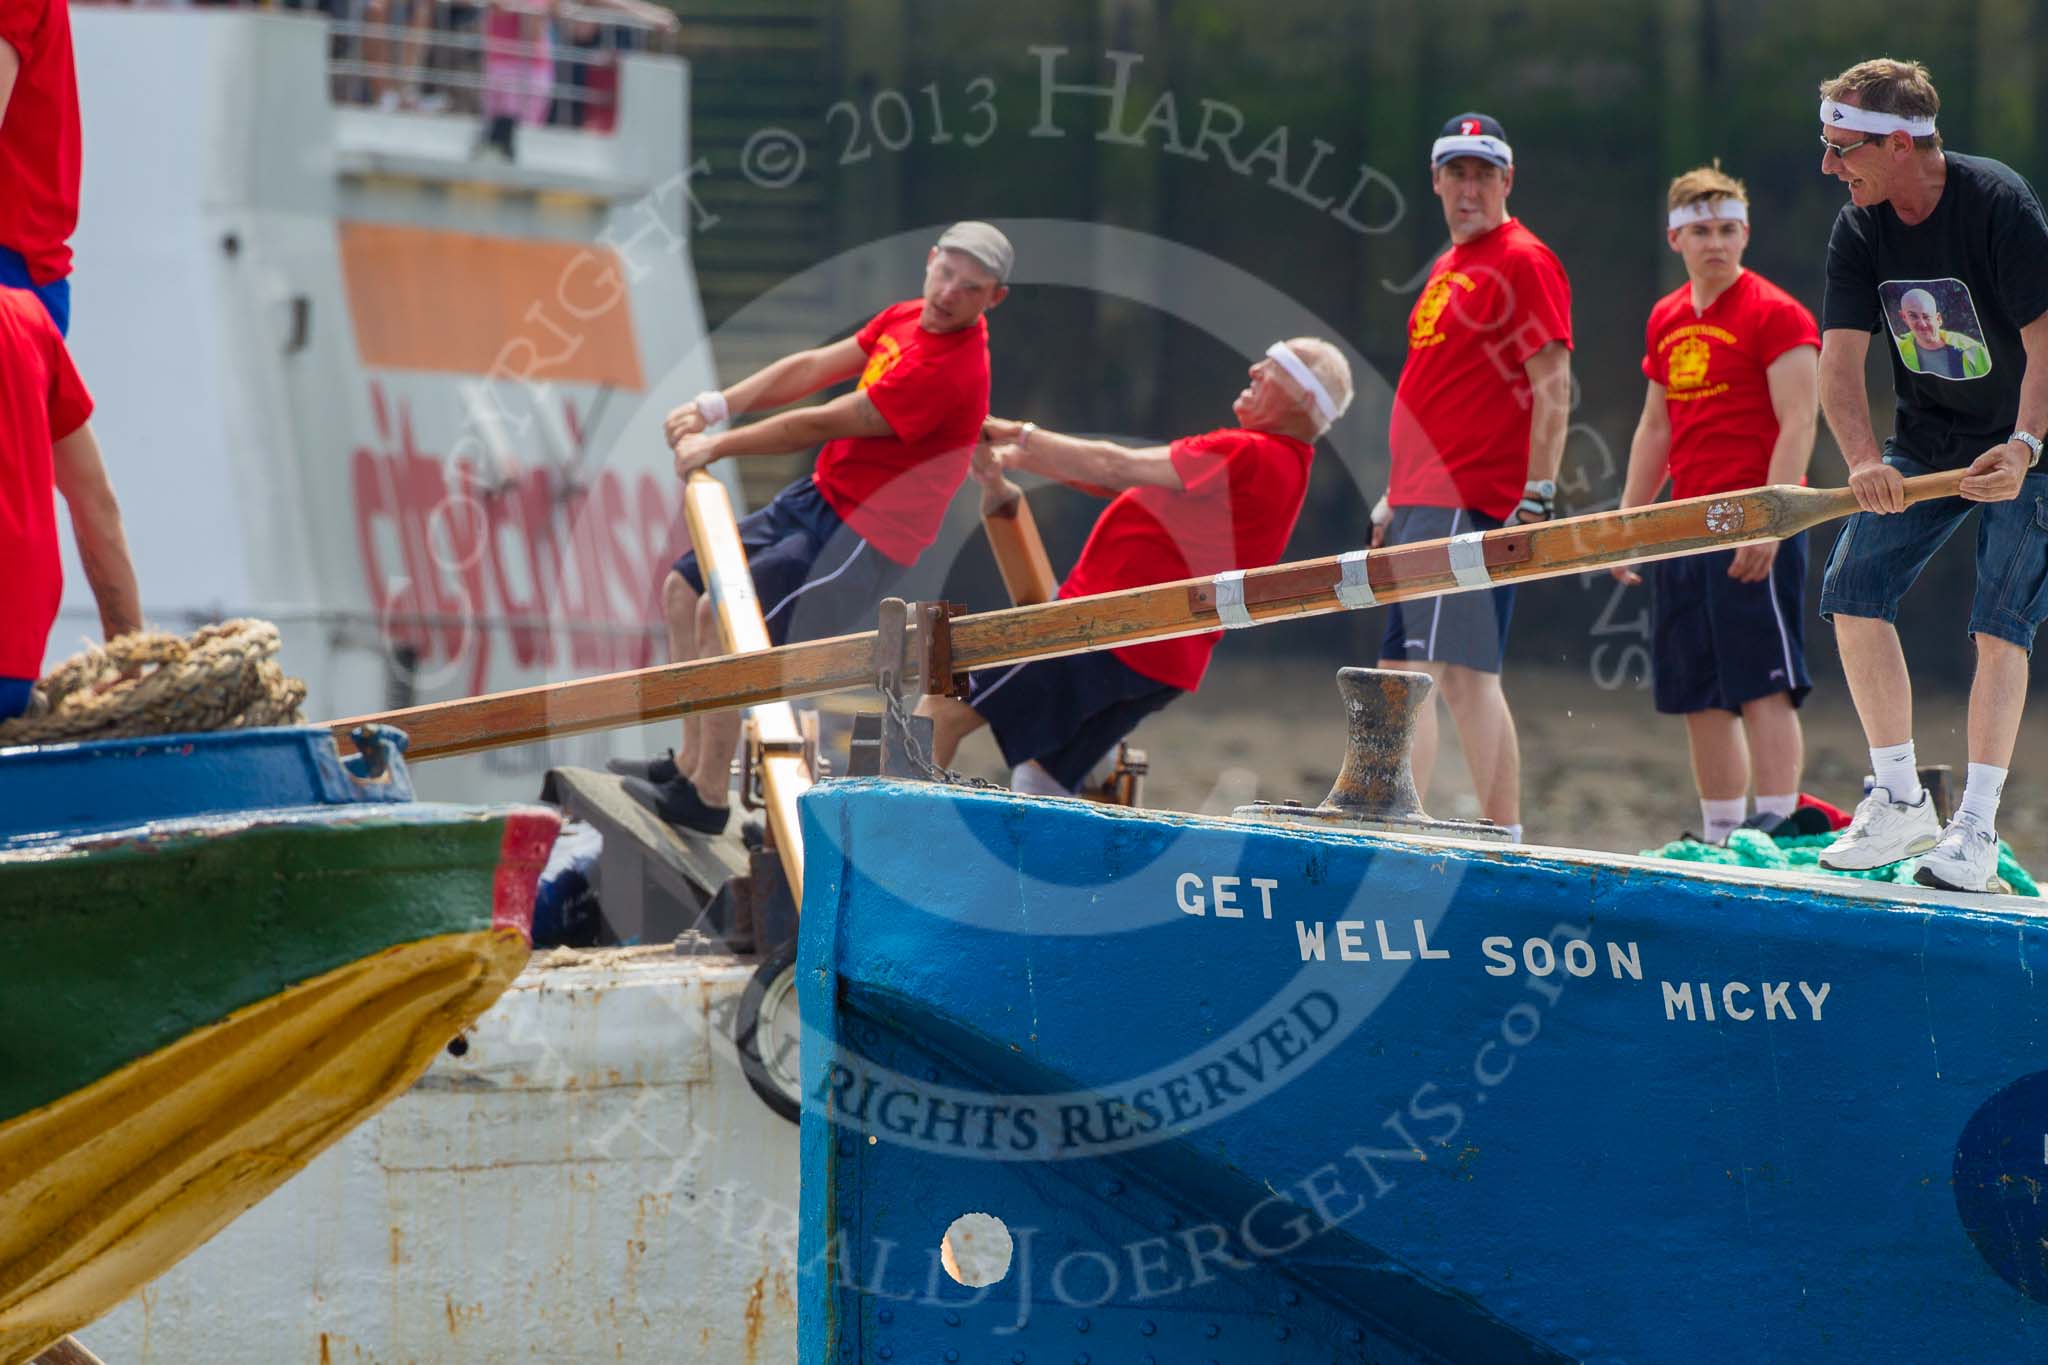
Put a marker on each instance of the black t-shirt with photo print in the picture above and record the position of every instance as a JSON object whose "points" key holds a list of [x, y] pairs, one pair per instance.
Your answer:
{"points": [[1951, 293]]}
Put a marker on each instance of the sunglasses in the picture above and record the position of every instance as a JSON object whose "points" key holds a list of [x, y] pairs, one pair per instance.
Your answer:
{"points": [[1842, 149]]}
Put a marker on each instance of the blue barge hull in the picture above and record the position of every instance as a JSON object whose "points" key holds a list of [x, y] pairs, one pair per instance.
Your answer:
{"points": [[1255, 1093]]}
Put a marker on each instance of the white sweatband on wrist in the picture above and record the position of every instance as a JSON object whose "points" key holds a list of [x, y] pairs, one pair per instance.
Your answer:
{"points": [[711, 407], [1283, 355], [1383, 512], [1833, 115], [1707, 211]]}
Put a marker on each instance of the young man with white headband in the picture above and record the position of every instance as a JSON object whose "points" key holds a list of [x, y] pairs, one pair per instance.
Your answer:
{"points": [[1964, 234], [1731, 361], [829, 547], [1224, 500], [1476, 438]]}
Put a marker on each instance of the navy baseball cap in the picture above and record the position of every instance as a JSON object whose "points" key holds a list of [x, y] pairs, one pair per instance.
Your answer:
{"points": [[1477, 135]]}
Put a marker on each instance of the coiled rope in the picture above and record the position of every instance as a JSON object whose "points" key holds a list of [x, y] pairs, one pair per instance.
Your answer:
{"points": [[223, 677]]}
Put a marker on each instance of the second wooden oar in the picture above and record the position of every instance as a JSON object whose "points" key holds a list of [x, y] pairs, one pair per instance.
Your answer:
{"points": [[1361, 578], [1014, 541]]}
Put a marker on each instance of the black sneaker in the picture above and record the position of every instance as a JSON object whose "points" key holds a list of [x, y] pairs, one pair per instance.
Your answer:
{"points": [[678, 803], [1805, 822], [659, 769]]}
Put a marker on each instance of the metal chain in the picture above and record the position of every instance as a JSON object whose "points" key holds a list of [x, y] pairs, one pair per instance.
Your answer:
{"points": [[929, 769]]}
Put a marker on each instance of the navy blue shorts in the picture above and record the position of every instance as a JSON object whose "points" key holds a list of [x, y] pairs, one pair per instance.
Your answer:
{"points": [[1467, 628], [1716, 643], [14, 694], [56, 295], [814, 575], [1877, 558], [1067, 712]]}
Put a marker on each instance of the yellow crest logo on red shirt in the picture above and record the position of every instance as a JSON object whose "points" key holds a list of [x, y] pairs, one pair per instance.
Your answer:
{"points": [[1429, 309], [881, 360], [1688, 364], [1689, 356]]}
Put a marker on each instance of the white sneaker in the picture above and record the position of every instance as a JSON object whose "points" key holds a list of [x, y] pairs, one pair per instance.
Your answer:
{"points": [[1964, 859], [1883, 832]]}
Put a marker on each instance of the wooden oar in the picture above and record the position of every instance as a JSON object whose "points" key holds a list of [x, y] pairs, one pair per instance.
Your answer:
{"points": [[1013, 537], [742, 630], [1190, 606]]}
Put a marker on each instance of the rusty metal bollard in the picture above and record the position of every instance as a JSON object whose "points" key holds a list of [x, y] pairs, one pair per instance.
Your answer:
{"points": [[1375, 789]]}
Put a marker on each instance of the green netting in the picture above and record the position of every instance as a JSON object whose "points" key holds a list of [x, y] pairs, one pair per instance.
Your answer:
{"points": [[1754, 848]]}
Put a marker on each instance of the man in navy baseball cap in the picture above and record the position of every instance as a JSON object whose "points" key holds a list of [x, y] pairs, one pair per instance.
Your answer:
{"points": [[1477, 135], [1475, 439]]}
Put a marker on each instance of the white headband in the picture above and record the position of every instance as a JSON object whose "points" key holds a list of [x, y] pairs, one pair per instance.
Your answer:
{"points": [[1475, 144], [1283, 355], [1708, 211], [1833, 115]]}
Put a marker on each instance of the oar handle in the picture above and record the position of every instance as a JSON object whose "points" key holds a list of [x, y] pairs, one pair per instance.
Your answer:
{"points": [[1922, 487]]}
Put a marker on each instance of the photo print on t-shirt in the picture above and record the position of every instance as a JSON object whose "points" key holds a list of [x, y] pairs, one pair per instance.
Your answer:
{"points": [[1934, 324]]}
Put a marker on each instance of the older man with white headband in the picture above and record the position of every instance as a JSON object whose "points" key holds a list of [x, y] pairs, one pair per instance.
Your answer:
{"points": [[1931, 231], [1730, 360], [1201, 505]]}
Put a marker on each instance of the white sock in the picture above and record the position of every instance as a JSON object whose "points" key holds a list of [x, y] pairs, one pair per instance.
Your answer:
{"points": [[1895, 769], [1030, 778], [1780, 806], [1514, 834], [1981, 791], [1721, 817]]}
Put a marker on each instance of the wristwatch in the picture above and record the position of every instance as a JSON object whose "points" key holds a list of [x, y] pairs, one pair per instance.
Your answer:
{"points": [[2032, 443]]}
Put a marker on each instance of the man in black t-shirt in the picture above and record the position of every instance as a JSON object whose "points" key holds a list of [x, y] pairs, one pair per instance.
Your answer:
{"points": [[1947, 253]]}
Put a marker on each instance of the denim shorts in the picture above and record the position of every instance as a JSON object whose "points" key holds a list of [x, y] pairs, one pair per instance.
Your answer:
{"points": [[1876, 558]]}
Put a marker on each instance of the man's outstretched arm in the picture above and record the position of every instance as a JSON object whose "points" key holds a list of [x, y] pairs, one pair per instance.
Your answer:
{"points": [[1078, 460], [795, 376], [96, 523], [1845, 402]]}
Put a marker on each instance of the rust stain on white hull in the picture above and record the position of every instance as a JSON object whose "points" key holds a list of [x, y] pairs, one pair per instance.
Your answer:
{"points": [[591, 1179]]}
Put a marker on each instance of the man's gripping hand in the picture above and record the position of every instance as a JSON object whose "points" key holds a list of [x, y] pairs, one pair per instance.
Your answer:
{"points": [[1996, 475], [987, 463], [684, 421], [1878, 488], [694, 453]]}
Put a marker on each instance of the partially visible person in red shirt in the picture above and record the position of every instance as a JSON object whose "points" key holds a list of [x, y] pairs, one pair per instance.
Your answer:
{"points": [[829, 547], [1733, 366], [47, 443], [1201, 505], [39, 152], [1476, 439]]}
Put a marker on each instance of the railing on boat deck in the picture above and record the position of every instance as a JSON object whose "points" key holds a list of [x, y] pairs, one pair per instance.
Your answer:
{"points": [[439, 56], [561, 69]]}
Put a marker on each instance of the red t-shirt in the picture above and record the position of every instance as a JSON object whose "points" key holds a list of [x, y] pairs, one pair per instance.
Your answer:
{"points": [[1241, 494], [1712, 366], [39, 144], [932, 390], [1460, 430], [42, 400]]}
